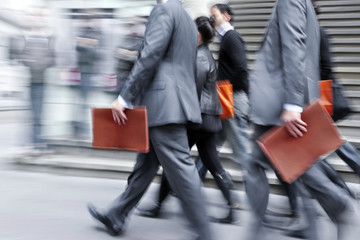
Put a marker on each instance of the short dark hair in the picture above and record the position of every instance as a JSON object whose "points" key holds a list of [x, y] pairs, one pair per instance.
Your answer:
{"points": [[205, 29], [224, 8]]}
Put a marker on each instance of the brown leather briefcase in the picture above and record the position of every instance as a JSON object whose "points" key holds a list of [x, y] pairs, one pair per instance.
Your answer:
{"points": [[132, 136], [293, 156]]}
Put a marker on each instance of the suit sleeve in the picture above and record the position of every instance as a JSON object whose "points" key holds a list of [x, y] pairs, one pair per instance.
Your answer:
{"points": [[156, 40], [292, 26]]}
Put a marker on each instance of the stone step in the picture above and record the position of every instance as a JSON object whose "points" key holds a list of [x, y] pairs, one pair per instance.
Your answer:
{"points": [[325, 6], [334, 33], [267, 10], [348, 70], [340, 50], [258, 2], [340, 24], [338, 16], [355, 115], [345, 40], [349, 128], [354, 96], [354, 141], [342, 168], [326, 3], [82, 150], [252, 5], [106, 167], [341, 54], [351, 8], [350, 84], [344, 32], [348, 60], [251, 11], [122, 166]]}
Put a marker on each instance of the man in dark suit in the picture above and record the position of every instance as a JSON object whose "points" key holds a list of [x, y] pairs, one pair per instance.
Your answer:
{"points": [[285, 78], [163, 79]]}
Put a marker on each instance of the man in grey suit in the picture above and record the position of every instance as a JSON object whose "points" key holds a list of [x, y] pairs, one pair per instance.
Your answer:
{"points": [[163, 79], [284, 79]]}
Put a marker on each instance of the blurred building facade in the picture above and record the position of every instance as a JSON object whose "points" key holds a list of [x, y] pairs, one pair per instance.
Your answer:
{"points": [[65, 21], [112, 18]]}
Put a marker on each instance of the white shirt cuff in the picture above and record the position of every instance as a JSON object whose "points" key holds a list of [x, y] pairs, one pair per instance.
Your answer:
{"points": [[293, 108], [123, 103]]}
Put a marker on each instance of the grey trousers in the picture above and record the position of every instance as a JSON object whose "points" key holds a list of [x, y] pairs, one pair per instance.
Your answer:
{"points": [[235, 129], [314, 181], [168, 147], [37, 96]]}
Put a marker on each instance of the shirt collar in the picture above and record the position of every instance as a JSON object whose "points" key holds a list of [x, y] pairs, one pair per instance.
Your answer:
{"points": [[224, 28]]}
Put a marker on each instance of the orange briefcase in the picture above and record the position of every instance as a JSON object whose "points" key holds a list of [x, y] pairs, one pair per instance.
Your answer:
{"points": [[225, 92]]}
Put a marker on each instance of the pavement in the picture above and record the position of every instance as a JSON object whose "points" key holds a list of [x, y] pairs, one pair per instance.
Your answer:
{"points": [[52, 206]]}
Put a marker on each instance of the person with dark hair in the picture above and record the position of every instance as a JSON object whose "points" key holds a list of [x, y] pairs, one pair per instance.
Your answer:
{"points": [[232, 66], [204, 137]]}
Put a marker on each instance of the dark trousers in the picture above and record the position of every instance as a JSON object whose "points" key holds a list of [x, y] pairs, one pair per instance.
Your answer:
{"points": [[348, 153], [206, 145], [37, 96]]}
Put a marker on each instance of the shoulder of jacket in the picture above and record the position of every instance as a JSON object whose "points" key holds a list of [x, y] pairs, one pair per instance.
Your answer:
{"points": [[232, 35]]}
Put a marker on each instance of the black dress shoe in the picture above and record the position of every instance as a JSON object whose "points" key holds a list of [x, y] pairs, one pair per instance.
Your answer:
{"points": [[153, 212], [226, 220], [111, 228]]}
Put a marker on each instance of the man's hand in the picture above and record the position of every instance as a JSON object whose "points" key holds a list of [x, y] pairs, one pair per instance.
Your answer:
{"points": [[118, 112], [293, 123]]}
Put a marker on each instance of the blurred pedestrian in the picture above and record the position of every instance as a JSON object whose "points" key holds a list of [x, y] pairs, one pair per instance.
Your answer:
{"points": [[87, 44], [163, 79], [204, 137], [128, 51], [37, 53], [285, 78]]}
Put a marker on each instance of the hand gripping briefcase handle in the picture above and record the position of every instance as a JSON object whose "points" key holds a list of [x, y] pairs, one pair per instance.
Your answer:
{"points": [[225, 92]]}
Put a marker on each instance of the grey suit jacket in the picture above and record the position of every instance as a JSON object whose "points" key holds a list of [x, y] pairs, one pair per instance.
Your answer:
{"points": [[163, 78], [286, 69], [206, 82]]}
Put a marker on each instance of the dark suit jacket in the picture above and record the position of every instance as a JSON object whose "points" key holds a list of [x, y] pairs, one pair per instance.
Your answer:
{"points": [[163, 78]]}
